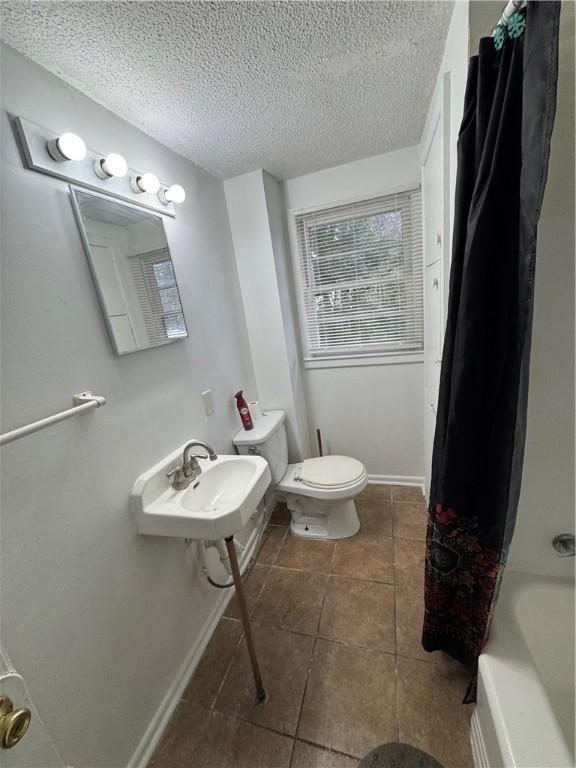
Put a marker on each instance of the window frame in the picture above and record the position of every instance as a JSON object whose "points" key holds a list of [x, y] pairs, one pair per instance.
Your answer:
{"points": [[352, 358]]}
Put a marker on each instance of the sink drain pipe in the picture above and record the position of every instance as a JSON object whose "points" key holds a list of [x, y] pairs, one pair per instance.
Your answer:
{"points": [[252, 547], [233, 559], [220, 547]]}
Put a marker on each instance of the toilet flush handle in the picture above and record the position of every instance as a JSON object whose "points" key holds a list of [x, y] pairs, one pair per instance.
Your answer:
{"points": [[254, 450]]}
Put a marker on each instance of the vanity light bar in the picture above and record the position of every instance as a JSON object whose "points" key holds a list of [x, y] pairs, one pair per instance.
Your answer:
{"points": [[70, 147]]}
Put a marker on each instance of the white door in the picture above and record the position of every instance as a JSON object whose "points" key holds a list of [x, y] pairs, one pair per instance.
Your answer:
{"points": [[432, 357], [36, 749], [433, 195], [112, 293], [434, 202]]}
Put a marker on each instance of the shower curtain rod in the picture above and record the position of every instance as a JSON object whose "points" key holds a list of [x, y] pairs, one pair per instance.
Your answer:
{"points": [[511, 7]]}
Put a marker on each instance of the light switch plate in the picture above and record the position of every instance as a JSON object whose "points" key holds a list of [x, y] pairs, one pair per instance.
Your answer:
{"points": [[208, 401]]}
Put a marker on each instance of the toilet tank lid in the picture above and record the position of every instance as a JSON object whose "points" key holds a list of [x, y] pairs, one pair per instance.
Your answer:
{"points": [[265, 426]]}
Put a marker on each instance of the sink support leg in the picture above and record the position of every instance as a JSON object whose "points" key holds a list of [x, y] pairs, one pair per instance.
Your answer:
{"points": [[260, 692]]}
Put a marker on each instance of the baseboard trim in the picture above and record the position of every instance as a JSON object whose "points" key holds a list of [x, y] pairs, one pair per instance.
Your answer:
{"points": [[413, 480], [479, 755], [155, 729]]}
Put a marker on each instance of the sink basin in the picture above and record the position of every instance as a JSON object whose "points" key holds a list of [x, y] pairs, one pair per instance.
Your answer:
{"points": [[216, 505]]}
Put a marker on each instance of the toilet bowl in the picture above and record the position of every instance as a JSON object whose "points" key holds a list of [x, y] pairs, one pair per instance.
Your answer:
{"points": [[318, 492]]}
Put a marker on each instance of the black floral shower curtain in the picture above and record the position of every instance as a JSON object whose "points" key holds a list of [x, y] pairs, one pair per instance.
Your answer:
{"points": [[503, 151]]}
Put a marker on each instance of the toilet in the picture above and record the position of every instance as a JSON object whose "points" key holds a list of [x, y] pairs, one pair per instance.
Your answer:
{"points": [[318, 492]]}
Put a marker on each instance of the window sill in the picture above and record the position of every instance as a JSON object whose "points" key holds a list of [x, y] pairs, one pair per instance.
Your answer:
{"points": [[345, 361]]}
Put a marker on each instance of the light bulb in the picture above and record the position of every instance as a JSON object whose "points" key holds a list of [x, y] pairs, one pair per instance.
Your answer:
{"points": [[147, 182], [68, 146], [172, 194], [111, 165]]}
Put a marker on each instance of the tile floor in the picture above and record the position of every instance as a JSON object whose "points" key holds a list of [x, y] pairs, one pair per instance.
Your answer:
{"points": [[337, 631]]}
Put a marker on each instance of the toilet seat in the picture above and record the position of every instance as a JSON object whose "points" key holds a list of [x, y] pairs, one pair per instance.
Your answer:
{"points": [[330, 472]]}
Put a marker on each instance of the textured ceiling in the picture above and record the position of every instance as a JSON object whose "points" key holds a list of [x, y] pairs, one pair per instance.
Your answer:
{"points": [[292, 87]]}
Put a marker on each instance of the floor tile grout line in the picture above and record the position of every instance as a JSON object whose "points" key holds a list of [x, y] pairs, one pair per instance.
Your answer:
{"points": [[396, 721], [284, 537], [396, 701], [336, 575], [324, 596], [327, 749], [252, 608], [245, 721], [228, 667], [264, 726], [279, 547], [294, 737], [308, 671], [323, 637]]}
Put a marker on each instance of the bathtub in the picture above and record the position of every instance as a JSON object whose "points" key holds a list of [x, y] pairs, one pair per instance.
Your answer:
{"points": [[524, 715]]}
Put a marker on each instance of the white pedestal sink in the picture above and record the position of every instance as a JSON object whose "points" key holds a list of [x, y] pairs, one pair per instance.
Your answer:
{"points": [[216, 505]]}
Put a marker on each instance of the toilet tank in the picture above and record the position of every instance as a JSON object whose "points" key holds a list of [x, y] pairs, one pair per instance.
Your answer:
{"points": [[267, 439]]}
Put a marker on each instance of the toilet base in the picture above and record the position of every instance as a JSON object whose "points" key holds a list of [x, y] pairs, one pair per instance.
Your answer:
{"points": [[314, 519]]}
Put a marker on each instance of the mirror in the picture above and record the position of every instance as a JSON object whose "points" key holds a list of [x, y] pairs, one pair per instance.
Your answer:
{"points": [[131, 264]]}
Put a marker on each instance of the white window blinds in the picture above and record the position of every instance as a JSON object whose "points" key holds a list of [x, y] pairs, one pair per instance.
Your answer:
{"points": [[360, 268], [158, 298]]}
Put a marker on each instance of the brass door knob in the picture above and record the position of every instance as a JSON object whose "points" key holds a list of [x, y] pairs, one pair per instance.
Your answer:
{"points": [[13, 723]]}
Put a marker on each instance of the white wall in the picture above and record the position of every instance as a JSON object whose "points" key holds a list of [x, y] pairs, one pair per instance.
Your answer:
{"points": [[372, 412], [547, 501], [276, 209], [254, 209], [97, 618]]}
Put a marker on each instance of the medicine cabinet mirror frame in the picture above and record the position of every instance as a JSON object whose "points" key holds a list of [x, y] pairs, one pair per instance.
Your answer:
{"points": [[130, 261]]}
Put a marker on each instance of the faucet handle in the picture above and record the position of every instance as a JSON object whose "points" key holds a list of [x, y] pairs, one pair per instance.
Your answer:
{"points": [[180, 478], [176, 472], [191, 468]]}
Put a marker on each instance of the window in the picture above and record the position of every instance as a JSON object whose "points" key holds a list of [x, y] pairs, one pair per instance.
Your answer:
{"points": [[360, 277], [158, 297]]}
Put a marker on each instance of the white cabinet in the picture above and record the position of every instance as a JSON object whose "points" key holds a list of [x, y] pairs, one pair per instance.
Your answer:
{"points": [[438, 157], [435, 201], [433, 196], [433, 323]]}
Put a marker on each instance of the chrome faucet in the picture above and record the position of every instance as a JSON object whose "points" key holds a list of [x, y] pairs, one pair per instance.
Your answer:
{"points": [[564, 544], [185, 474]]}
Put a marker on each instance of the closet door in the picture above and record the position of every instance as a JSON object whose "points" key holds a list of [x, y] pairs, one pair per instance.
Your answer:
{"points": [[432, 356], [434, 194]]}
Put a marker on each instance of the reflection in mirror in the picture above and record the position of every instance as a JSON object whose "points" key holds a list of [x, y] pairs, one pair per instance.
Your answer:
{"points": [[134, 274]]}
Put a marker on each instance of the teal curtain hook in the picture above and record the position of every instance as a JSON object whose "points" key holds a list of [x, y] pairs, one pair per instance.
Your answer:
{"points": [[499, 36], [516, 25]]}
